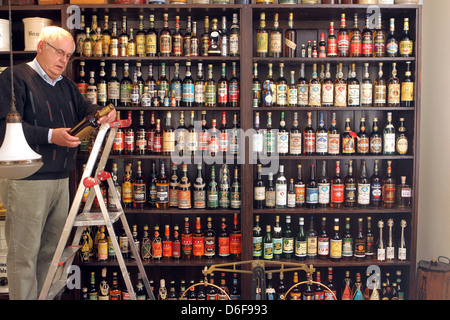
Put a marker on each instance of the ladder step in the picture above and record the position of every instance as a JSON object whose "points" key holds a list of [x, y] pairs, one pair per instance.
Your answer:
{"points": [[95, 218], [56, 288], [68, 252]]}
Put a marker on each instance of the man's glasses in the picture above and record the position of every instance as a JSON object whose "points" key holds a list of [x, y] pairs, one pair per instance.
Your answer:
{"points": [[61, 53]]}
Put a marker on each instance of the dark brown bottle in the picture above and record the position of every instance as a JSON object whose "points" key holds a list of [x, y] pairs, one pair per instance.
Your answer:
{"points": [[89, 123]]}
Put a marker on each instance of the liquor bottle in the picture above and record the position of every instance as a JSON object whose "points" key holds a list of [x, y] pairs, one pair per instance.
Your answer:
{"points": [[380, 89], [391, 41], [288, 240], [123, 38], [146, 249], [369, 246], [262, 38], [223, 240], [401, 255], [162, 189], [167, 244], [322, 46], [204, 136], [389, 137], [334, 137], [296, 293], [140, 38], [268, 244], [91, 92], [340, 88], [131, 45], [162, 292], [102, 91], [358, 289], [213, 140], [210, 89], [354, 88], [323, 241], [102, 246], [404, 194], [127, 188], [224, 187], [275, 39], [210, 240], [199, 87], [114, 42], [347, 287], [312, 191], [315, 89], [331, 293], [259, 190], [88, 44], [367, 39], [198, 240], [381, 246], [257, 137], [375, 187], [309, 137], [151, 36], [176, 243], [214, 39], [256, 87], [234, 87], [234, 37], [343, 39], [82, 83], [192, 140], [222, 88], [270, 293], [379, 40], [324, 187], [311, 240], [348, 139], [80, 36], [188, 92], [375, 139], [347, 242], [224, 293], [300, 188], [257, 240], [281, 288], [327, 89], [350, 187], [199, 190], [282, 137], [165, 38], [332, 42], [129, 146], [117, 187], [269, 93], [295, 137], [363, 187], [184, 190], [362, 140], [277, 239], [177, 39], [360, 242], [162, 85], [336, 243], [186, 46], [157, 139], [393, 88], [151, 83], [213, 191], [355, 39], [181, 137], [281, 189], [115, 293], [407, 88], [103, 290], [168, 146], [156, 244], [406, 46], [390, 246], [139, 189], [125, 87], [235, 192], [321, 137], [300, 241], [302, 88], [290, 39], [308, 290], [281, 89], [291, 195], [366, 88], [186, 241]]}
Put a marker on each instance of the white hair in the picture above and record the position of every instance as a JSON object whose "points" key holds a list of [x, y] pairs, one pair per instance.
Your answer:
{"points": [[52, 33]]}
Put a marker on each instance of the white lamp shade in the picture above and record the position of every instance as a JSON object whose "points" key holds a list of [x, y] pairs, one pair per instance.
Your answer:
{"points": [[17, 159]]}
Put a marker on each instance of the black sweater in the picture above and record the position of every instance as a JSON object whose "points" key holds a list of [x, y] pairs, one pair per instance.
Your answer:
{"points": [[42, 107]]}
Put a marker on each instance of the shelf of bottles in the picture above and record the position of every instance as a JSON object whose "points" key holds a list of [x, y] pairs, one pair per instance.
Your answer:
{"points": [[334, 101]]}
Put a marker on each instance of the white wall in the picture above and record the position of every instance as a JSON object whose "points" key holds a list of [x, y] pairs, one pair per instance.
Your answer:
{"points": [[434, 175]]}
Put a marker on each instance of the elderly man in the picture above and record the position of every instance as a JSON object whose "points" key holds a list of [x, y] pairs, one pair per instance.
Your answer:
{"points": [[37, 207]]}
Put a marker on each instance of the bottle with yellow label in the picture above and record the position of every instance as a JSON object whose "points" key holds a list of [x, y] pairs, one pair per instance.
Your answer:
{"points": [[407, 88], [406, 43]]}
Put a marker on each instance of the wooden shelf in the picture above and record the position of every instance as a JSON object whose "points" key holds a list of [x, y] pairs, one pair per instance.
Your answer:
{"points": [[329, 210]]}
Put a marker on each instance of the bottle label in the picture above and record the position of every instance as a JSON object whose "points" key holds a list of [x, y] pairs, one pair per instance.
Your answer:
{"points": [[277, 246], [363, 145], [139, 191], [337, 193], [311, 246], [295, 143], [188, 92], [406, 47], [162, 194], [402, 254], [281, 194], [210, 246], [288, 245], [366, 94], [334, 143], [360, 248], [402, 145], [348, 145], [262, 43], [343, 43], [376, 145], [315, 95], [381, 254], [356, 44], [332, 47], [127, 192], [168, 142], [353, 95], [186, 244], [347, 247], [389, 142], [390, 253], [335, 249], [392, 48], [199, 199], [283, 142], [224, 246], [184, 199], [275, 43], [309, 142], [350, 193], [322, 142], [118, 142], [323, 248], [257, 246], [303, 94], [198, 246], [394, 93], [324, 193], [270, 199], [312, 195], [268, 251], [299, 194], [340, 95], [257, 142], [407, 91], [367, 45], [363, 193], [327, 94]]}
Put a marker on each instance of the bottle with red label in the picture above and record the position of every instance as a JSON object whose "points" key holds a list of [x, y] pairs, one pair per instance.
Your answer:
{"points": [[309, 137], [157, 249], [186, 241], [198, 240], [82, 82], [224, 240], [167, 244], [235, 239], [118, 145], [343, 39], [210, 240], [332, 42], [337, 188], [176, 243]]}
